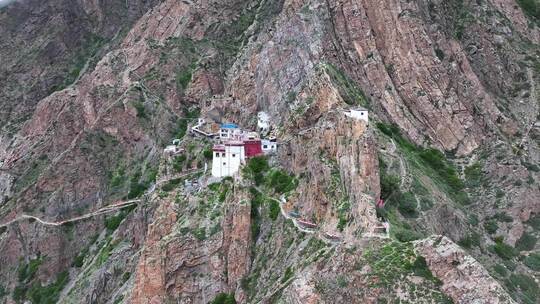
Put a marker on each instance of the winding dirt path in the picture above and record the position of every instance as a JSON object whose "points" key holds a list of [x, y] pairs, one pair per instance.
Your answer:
{"points": [[323, 235], [106, 209]]}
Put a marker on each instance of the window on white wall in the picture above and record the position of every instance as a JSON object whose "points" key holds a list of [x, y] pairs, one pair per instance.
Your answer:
{"points": [[222, 154], [217, 154], [234, 155]]}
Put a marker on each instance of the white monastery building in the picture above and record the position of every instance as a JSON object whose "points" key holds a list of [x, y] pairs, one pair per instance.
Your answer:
{"points": [[173, 149], [358, 113], [236, 147], [227, 158], [269, 146], [229, 131]]}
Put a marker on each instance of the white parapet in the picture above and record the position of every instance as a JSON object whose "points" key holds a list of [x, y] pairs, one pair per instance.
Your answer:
{"points": [[227, 158], [172, 150], [268, 146], [358, 114], [229, 131]]}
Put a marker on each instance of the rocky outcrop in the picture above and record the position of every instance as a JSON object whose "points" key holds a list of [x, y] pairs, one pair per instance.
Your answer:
{"points": [[464, 279], [237, 239], [194, 258]]}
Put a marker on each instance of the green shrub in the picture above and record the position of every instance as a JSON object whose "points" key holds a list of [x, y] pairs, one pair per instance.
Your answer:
{"points": [[208, 153], [117, 178], [273, 209], [141, 110], [389, 185], [405, 235], [342, 222], [394, 132], [470, 240], [534, 222], [170, 185], [473, 220], [291, 96], [437, 161], [526, 285], [473, 175], [341, 281], [421, 269], [214, 186], [510, 265], [407, 204], [503, 217], [18, 293], [255, 169], [504, 250], [27, 271], [112, 223], [256, 202], [491, 226], [526, 242], [183, 78], [119, 299], [178, 162], [182, 124], [224, 298], [440, 54], [151, 173], [530, 7], [288, 274], [431, 158], [79, 260], [136, 188], [351, 93], [533, 261], [281, 181], [500, 269], [223, 194], [200, 233], [48, 294], [126, 276]]}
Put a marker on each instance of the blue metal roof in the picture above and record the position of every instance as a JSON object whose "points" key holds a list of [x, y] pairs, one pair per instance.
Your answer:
{"points": [[229, 126]]}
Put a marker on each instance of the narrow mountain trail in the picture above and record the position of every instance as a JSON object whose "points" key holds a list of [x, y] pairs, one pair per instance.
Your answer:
{"points": [[288, 217], [320, 234], [103, 210], [533, 102], [404, 170]]}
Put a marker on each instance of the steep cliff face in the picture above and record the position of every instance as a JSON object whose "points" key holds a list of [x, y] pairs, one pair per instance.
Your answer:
{"points": [[460, 273], [94, 91], [193, 258], [46, 45]]}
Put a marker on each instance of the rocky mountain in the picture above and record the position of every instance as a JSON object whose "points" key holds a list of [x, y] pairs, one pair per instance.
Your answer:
{"points": [[93, 211]]}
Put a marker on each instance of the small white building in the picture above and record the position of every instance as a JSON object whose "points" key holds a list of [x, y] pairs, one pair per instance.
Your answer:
{"points": [[251, 136], [228, 158], [229, 131], [268, 146], [358, 113], [263, 122], [173, 150]]}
